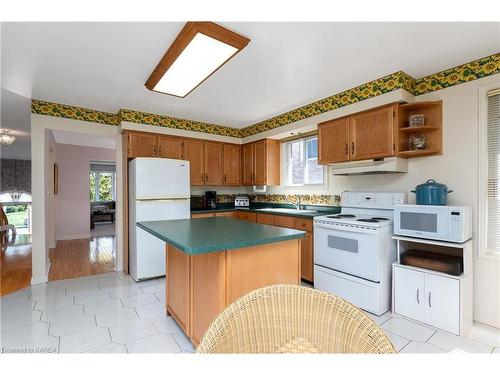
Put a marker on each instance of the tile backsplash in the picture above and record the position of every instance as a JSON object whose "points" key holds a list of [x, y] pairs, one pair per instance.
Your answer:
{"points": [[319, 199]]}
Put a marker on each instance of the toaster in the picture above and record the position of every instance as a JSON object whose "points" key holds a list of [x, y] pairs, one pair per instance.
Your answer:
{"points": [[241, 202]]}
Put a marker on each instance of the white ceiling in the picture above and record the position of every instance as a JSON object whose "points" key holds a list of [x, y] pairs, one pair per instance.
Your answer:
{"points": [[104, 65], [16, 117], [82, 139]]}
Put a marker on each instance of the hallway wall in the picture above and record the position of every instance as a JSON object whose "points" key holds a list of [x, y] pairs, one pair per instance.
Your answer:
{"points": [[72, 201]]}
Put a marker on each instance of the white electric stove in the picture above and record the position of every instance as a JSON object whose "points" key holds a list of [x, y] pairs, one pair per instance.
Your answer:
{"points": [[354, 250]]}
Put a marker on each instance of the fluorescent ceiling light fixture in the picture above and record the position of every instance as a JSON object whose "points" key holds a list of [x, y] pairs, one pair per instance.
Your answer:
{"points": [[198, 51]]}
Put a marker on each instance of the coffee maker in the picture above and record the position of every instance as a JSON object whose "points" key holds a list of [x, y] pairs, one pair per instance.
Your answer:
{"points": [[211, 200]]}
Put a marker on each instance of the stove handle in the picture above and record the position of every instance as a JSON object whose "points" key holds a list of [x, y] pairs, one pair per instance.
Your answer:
{"points": [[418, 296]]}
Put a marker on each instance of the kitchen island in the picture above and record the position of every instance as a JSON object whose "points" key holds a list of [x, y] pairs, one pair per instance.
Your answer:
{"points": [[213, 261]]}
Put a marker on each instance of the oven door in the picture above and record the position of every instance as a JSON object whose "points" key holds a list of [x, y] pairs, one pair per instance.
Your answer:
{"points": [[422, 221], [352, 251]]}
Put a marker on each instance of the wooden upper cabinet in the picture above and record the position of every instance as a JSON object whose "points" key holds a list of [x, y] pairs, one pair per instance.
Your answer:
{"points": [[273, 171], [260, 163], [361, 136], [372, 133], [232, 164], [247, 163], [194, 152], [333, 141], [169, 147], [141, 145], [214, 174]]}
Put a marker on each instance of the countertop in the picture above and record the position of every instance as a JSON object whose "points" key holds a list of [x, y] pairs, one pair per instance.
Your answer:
{"points": [[319, 211], [204, 235]]}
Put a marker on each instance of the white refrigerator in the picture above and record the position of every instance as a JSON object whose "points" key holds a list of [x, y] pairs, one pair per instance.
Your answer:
{"points": [[159, 189]]}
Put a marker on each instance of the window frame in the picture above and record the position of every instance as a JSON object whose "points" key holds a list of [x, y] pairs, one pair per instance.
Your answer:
{"points": [[483, 252], [287, 168]]}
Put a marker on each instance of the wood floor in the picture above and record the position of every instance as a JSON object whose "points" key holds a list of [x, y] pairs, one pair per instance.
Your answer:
{"points": [[70, 259], [15, 264], [82, 257]]}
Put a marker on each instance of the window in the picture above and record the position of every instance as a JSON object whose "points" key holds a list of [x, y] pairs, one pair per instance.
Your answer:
{"points": [[302, 162], [493, 172], [102, 182]]}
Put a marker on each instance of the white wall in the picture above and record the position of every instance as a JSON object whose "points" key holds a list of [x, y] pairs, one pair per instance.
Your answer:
{"points": [[72, 200]]}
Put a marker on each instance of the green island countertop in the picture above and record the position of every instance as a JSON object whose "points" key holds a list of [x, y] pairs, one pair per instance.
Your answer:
{"points": [[205, 235]]}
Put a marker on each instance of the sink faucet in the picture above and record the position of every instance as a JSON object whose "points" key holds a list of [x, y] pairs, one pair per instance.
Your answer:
{"points": [[297, 205]]}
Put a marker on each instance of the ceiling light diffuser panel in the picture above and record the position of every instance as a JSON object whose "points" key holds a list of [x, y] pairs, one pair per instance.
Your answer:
{"points": [[198, 51]]}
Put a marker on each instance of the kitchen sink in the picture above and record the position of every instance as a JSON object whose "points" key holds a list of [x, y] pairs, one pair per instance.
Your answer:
{"points": [[285, 210]]}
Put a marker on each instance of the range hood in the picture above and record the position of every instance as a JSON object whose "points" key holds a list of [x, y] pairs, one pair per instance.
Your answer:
{"points": [[372, 166]]}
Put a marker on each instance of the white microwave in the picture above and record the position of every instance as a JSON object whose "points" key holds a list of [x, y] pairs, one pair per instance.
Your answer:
{"points": [[442, 223]]}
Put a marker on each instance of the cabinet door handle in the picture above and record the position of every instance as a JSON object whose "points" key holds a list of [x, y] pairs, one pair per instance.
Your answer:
{"points": [[418, 296], [202, 178], [206, 177], [430, 304], [225, 178], [159, 150], [346, 148], [352, 148]]}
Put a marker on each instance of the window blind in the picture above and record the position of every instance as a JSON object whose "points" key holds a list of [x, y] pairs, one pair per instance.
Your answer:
{"points": [[493, 136], [102, 167]]}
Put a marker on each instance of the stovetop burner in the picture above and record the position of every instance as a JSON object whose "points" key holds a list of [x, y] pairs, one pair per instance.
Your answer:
{"points": [[380, 218], [369, 220], [340, 216]]}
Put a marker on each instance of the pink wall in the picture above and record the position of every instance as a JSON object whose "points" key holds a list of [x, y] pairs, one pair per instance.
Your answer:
{"points": [[72, 202]]}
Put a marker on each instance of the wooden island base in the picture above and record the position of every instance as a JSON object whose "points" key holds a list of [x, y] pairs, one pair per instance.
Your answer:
{"points": [[202, 285]]}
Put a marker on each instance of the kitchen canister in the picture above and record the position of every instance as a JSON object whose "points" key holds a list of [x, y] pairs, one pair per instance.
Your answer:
{"points": [[432, 193]]}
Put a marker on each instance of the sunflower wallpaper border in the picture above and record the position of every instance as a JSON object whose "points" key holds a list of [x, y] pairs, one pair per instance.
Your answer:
{"points": [[471, 71], [75, 113], [176, 123]]}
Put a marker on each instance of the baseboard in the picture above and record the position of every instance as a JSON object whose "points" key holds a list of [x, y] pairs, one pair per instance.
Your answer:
{"points": [[39, 280], [76, 237], [487, 319]]}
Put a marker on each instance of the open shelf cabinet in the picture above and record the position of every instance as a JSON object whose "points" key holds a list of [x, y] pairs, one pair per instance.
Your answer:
{"points": [[432, 128]]}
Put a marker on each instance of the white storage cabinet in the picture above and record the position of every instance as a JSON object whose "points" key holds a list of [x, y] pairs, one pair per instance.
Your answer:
{"points": [[435, 298]]}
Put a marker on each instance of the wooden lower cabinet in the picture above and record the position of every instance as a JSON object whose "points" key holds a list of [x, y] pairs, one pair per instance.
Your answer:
{"points": [[265, 219], [225, 214], [284, 221], [178, 286], [307, 246], [213, 214], [199, 216], [247, 216], [200, 286], [207, 279], [306, 257], [306, 249]]}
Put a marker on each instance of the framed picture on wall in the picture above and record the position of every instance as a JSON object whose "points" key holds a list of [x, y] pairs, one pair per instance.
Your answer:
{"points": [[56, 178]]}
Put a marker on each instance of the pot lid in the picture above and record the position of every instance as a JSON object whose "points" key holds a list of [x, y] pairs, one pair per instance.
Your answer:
{"points": [[432, 184]]}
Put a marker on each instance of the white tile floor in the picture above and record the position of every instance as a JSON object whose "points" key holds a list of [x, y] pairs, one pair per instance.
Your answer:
{"points": [[111, 313]]}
